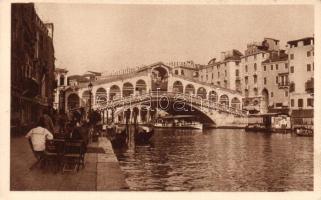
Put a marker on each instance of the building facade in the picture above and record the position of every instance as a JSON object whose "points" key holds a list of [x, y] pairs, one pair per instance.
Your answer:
{"points": [[32, 66], [224, 73], [253, 86], [61, 83], [275, 76], [301, 73]]}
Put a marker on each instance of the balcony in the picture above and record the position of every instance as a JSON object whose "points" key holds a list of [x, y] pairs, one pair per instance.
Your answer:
{"points": [[283, 85], [309, 86]]}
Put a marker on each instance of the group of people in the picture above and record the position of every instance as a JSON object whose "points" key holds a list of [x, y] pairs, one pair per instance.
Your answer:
{"points": [[74, 129]]}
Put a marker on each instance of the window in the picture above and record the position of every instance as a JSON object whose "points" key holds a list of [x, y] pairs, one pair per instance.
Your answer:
{"points": [[237, 72], [255, 78], [308, 53], [292, 102], [292, 69], [264, 67], [308, 67], [278, 105], [245, 68], [182, 72], [264, 80], [262, 55], [246, 80], [218, 74], [310, 102], [291, 56], [255, 67], [286, 65], [246, 92], [255, 91], [225, 73], [300, 103], [176, 72], [276, 79], [212, 76], [286, 93], [206, 77], [271, 67], [276, 67], [271, 94]]}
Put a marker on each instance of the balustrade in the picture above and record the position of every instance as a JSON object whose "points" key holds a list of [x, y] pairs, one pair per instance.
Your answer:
{"points": [[196, 100]]}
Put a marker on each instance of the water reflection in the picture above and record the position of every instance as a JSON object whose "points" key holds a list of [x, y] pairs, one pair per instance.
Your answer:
{"points": [[219, 160]]}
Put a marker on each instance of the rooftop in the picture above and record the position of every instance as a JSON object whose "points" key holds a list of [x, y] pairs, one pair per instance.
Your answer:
{"points": [[60, 70], [276, 57], [299, 40]]}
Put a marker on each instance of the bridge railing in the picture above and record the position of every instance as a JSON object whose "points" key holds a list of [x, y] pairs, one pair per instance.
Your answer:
{"points": [[193, 99]]}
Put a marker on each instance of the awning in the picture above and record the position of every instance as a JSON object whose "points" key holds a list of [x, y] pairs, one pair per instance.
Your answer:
{"points": [[302, 113]]}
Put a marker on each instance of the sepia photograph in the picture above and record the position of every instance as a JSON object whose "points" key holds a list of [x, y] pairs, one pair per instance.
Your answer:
{"points": [[161, 97]]}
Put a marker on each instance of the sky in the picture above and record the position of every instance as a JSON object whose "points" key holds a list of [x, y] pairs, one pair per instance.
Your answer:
{"points": [[107, 37]]}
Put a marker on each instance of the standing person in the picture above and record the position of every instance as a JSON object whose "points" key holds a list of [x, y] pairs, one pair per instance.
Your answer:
{"points": [[48, 124], [62, 122], [38, 136]]}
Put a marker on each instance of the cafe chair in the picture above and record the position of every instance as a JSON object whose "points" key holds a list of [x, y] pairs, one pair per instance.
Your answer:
{"points": [[54, 152], [74, 155]]}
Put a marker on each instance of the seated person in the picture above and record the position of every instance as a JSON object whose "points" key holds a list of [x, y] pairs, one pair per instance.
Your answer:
{"points": [[38, 136]]}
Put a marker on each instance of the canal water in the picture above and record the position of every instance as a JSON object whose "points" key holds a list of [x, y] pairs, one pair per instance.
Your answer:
{"points": [[219, 160]]}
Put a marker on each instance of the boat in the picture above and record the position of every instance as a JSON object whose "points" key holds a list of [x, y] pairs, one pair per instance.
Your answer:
{"points": [[178, 121], [143, 134], [303, 132], [118, 136]]}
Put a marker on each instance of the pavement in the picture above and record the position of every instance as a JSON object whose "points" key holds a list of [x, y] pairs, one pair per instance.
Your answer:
{"points": [[101, 172]]}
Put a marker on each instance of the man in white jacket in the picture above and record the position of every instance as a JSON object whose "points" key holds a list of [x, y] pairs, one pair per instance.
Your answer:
{"points": [[38, 137]]}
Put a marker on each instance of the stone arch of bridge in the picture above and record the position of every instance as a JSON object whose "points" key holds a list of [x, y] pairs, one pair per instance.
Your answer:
{"points": [[100, 95]]}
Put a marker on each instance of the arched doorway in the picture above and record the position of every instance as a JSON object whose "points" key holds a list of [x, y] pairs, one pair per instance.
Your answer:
{"points": [[73, 101], [236, 103], [128, 89], [224, 100], [114, 92], [189, 89], [265, 101], [159, 79], [212, 96], [178, 87], [141, 87], [201, 92]]}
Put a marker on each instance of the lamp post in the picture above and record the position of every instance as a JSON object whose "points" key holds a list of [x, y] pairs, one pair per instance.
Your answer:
{"points": [[90, 87], [62, 98]]}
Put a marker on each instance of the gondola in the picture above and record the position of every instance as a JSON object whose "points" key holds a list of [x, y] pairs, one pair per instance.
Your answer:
{"points": [[143, 134], [118, 136]]}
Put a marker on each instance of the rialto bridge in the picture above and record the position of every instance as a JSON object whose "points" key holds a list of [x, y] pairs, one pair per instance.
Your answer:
{"points": [[139, 96]]}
